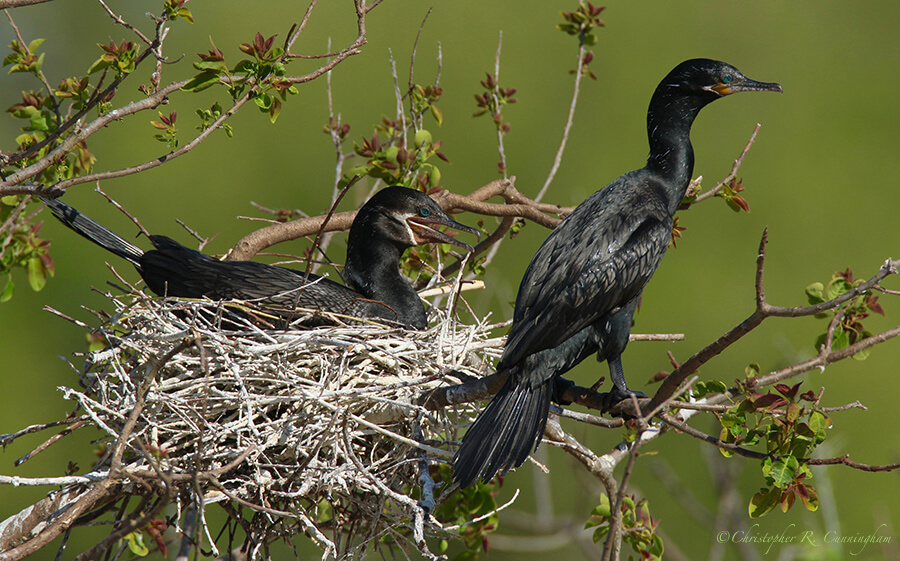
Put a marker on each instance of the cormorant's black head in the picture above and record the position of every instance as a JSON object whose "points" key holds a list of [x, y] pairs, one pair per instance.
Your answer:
{"points": [[711, 79], [408, 218]]}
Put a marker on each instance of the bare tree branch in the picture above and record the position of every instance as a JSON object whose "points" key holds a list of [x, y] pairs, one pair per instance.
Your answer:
{"points": [[765, 310], [4, 4], [517, 205]]}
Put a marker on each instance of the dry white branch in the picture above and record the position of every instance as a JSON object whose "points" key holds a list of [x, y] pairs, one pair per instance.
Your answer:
{"points": [[321, 415]]}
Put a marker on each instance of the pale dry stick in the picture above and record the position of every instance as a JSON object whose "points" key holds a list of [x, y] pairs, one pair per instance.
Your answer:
{"points": [[295, 32], [4, 4], [72, 120], [50, 441], [557, 160], [118, 20], [334, 125], [338, 57], [418, 512], [500, 133], [412, 58], [6, 439], [17, 481], [13, 184], [12, 218], [731, 176], [99, 488], [500, 508], [398, 104], [180, 151], [613, 544]]}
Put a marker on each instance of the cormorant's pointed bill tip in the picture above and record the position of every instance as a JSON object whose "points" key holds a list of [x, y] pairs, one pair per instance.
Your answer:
{"points": [[425, 230], [743, 85]]}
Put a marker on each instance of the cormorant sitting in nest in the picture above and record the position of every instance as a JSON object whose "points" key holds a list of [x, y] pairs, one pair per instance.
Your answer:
{"points": [[581, 289], [393, 220]]}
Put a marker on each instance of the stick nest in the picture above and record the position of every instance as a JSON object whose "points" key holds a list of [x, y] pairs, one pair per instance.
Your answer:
{"points": [[327, 418]]}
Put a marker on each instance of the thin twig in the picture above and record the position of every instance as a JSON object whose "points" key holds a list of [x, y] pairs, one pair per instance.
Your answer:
{"points": [[570, 119]]}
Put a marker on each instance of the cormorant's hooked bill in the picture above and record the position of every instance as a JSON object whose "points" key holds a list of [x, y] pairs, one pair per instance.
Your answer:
{"points": [[580, 292], [733, 82]]}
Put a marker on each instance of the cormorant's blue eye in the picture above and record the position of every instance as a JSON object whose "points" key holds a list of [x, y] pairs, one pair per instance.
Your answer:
{"points": [[726, 79], [424, 212]]}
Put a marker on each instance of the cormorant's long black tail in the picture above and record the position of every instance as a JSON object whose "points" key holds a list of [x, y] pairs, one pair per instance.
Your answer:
{"points": [[505, 433], [94, 231]]}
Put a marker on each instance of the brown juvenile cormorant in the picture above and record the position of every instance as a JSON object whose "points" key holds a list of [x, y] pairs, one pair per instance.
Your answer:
{"points": [[393, 220], [581, 289]]}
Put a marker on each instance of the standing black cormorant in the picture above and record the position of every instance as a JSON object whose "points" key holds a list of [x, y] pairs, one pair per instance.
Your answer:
{"points": [[393, 220], [581, 289]]}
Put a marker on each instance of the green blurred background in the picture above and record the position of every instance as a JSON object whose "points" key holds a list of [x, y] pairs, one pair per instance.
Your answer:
{"points": [[822, 177]]}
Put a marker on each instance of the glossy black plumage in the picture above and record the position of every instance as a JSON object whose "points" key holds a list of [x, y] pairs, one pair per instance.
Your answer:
{"points": [[579, 293], [393, 220]]}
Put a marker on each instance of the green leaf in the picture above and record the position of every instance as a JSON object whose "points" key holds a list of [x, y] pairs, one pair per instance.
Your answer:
{"points": [[37, 277], [815, 293], [33, 46], [836, 287], [600, 533], [782, 471], [817, 421], [436, 113], [863, 354], [763, 502], [185, 14], [201, 81], [263, 101], [275, 110], [603, 509], [8, 291], [702, 389], [211, 65], [243, 66], [422, 137], [136, 544], [434, 177], [840, 340]]}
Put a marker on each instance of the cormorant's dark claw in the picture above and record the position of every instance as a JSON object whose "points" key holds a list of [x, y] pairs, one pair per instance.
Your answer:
{"points": [[613, 397]]}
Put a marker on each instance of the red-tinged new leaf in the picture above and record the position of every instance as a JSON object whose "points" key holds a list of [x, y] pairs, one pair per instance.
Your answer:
{"points": [[809, 497], [766, 400], [741, 202], [787, 500], [873, 305]]}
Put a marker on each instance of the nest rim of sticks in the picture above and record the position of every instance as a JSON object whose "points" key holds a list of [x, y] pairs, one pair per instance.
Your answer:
{"points": [[295, 420]]}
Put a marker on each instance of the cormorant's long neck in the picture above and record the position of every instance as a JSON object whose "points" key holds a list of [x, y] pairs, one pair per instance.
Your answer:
{"points": [[669, 121], [372, 269]]}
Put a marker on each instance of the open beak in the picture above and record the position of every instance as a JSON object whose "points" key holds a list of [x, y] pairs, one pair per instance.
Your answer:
{"points": [[425, 230]]}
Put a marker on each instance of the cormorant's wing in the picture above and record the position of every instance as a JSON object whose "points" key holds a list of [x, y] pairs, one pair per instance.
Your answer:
{"points": [[593, 263], [175, 270]]}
